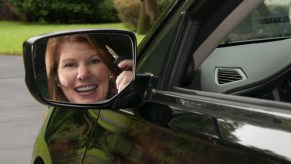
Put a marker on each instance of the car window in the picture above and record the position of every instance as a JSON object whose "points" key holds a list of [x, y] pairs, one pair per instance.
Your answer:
{"points": [[155, 11], [270, 20], [157, 44], [254, 60]]}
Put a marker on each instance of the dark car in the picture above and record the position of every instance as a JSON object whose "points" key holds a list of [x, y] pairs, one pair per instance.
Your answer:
{"points": [[211, 84]]}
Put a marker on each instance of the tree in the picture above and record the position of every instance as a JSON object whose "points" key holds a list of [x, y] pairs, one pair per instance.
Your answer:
{"points": [[7, 12], [66, 11], [148, 14], [139, 15]]}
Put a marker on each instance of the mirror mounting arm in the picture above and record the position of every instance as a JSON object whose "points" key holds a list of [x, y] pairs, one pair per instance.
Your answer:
{"points": [[138, 91]]}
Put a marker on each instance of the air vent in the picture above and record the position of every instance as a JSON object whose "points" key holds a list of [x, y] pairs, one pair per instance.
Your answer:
{"points": [[228, 75]]}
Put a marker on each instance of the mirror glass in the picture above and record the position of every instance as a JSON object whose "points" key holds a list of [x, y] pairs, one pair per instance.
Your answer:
{"points": [[83, 68]]}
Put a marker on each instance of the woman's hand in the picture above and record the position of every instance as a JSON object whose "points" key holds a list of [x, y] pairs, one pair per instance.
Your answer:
{"points": [[126, 76]]}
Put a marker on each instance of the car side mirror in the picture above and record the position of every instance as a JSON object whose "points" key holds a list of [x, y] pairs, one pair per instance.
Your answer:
{"points": [[81, 68]]}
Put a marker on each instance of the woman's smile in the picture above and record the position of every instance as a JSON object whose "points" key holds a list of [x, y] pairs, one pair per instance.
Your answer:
{"points": [[86, 88]]}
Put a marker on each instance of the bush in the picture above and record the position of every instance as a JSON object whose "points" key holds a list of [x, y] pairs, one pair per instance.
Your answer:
{"points": [[128, 12], [67, 11], [106, 11]]}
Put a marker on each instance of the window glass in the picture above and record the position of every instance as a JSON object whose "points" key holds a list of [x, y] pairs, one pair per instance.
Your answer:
{"points": [[270, 20], [148, 14], [158, 48]]}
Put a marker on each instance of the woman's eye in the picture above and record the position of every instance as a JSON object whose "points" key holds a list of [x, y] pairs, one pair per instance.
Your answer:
{"points": [[69, 65], [94, 61]]}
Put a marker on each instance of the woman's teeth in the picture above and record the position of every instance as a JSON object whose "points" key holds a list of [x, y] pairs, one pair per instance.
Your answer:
{"points": [[86, 88]]}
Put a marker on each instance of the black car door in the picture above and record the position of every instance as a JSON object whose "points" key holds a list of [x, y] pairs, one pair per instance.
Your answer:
{"points": [[175, 124]]}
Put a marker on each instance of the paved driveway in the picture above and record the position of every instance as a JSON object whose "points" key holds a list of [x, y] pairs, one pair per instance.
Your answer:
{"points": [[20, 115]]}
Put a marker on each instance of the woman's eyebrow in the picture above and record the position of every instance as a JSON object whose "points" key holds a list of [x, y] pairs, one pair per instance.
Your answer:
{"points": [[67, 60], [94, 55]]}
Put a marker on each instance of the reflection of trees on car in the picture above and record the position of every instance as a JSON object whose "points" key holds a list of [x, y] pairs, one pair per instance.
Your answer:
{"points": [[127, 140], [227, 129], [68, 133]]}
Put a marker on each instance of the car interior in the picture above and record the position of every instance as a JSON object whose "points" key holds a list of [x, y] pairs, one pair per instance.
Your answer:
{"points": [[253, 60]]}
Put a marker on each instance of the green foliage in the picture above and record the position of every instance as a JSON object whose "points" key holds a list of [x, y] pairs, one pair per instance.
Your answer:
{"points": [[66, 11], [13, 34], [128, 12], [107, 11]]}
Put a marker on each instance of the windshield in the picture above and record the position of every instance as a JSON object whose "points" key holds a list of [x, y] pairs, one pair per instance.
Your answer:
{"points": [[269, 21]]}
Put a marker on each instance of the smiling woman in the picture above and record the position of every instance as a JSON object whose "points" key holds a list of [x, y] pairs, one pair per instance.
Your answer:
{"points": [[79, 70], [82, 68]]}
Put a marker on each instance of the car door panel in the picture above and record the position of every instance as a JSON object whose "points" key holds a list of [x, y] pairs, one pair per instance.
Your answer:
{"points": [[234, 121], [181, 137]]}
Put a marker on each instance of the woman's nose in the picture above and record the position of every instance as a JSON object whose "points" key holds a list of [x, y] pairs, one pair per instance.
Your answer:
{"points": [[83, 72]]}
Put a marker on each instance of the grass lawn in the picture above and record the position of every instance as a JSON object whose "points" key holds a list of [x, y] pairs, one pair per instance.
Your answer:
{"points": [[12, 34]]}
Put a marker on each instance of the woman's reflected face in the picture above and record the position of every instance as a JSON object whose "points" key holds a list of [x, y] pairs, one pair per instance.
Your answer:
{"points": [[83, 77]]}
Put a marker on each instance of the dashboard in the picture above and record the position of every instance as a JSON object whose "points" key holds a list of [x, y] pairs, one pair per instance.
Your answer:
{"points": [[278, 89], [261, 69]]}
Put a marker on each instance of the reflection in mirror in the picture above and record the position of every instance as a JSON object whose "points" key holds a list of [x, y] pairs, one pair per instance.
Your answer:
{"points": [[85, 68]]}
